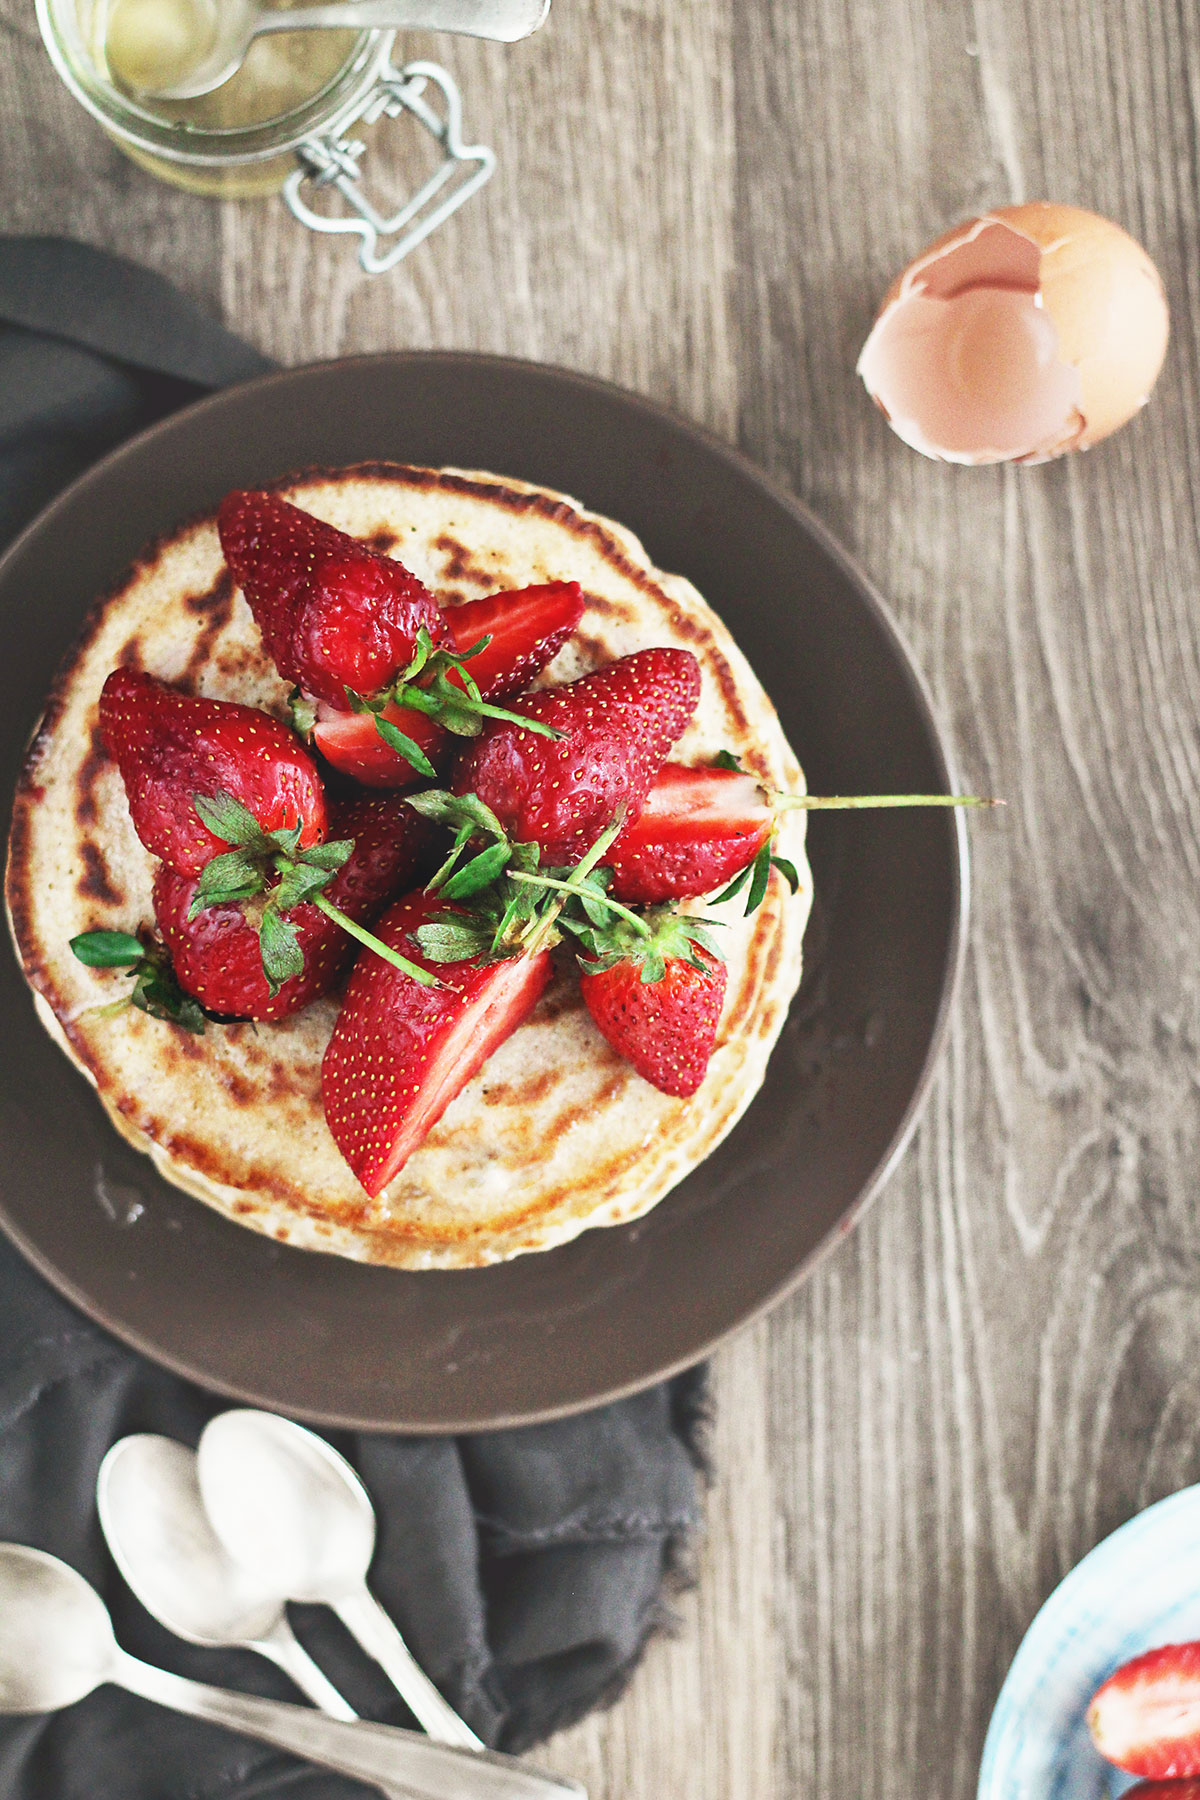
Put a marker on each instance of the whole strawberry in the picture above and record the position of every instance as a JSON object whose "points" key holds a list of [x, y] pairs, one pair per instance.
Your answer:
{"points": [[1146, 1717], [658, 1001], [170, 747], [216, 952], [400, 1052], [616, 727], [334, 614]]}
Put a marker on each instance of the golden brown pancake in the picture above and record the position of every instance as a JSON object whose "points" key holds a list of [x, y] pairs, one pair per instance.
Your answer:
{"points": [[557, 1132]]}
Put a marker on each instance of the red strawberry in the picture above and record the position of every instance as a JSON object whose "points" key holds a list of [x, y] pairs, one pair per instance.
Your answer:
{"points": [[351, 743], [400, 1052], [1146, 1717], [666, 1028], [334, 613], [170, 746], [527, 627], [217, 956], [618, 726], [698, 828]]}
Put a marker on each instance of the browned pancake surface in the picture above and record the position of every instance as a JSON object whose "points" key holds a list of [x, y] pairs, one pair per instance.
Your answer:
{"points": [[556, 1132]]}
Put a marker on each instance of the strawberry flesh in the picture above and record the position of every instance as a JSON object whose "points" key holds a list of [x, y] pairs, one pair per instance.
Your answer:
{"points": [[334, 613], [696, 831], [170, 747], [1146, 1717], [667, 1028], [527, 627], [400, 1052], [1163, 1790], [351, 743], [216, 955], [617, 725]]}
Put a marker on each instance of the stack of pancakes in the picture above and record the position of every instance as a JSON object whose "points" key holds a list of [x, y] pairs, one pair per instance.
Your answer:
{"points": [[557, 1132]]}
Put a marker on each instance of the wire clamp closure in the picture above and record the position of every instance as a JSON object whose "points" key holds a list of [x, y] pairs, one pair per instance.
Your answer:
{"points": [[332, 161]]}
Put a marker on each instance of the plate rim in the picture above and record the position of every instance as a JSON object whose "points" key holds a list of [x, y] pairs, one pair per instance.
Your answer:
{"points": [[915, 679], [1003, 1711]]}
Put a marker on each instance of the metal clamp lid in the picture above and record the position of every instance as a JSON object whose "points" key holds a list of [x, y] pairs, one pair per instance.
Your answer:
{"points": [[332, 160]]}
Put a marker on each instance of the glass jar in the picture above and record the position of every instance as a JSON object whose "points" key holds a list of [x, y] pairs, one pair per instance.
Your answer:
{"points": [[283, 121]]}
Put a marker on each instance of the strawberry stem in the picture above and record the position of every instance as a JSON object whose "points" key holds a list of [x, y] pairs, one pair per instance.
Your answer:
{"points": [[570, 887], [373, 943], [846, 802], [575, 880]]}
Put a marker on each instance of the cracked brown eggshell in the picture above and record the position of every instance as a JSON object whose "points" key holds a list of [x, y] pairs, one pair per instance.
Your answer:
{"points": [[1021, 334]]}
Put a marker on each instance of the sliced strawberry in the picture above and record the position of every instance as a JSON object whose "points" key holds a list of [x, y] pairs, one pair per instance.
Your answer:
{"points": [[217, 956], [665, 1028], [697, 829], [1163, 1790], [351, 743], [334, 613], [1146, 1717], [170, 747], [617, 727], [527, 627], [401, 1052]]}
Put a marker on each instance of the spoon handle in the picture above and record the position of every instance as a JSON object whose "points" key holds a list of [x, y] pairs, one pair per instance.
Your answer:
{"points": [[381, 1754], [503, 21], [366, 1620], [288, 1653]]}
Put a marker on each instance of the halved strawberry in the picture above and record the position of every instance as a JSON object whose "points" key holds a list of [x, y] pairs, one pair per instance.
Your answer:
{"points": [[659, 1004], [334, 613], [1146, 1717], [401, 1052], [617, 726], [170, 746], [217, 955], [697, 829], [527, 628]]}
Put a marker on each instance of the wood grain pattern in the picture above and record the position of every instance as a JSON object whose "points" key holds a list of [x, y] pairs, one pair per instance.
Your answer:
{"points": [[703, 199]]}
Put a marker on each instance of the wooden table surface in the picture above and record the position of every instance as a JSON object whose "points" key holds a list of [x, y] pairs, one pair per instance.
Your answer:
{"points": [[703, 200]]}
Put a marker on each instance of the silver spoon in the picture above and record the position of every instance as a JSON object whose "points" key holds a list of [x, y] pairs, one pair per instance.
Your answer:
{"points": [[57, 1644], [158, 1532], [286, 1505], [204, 42]]}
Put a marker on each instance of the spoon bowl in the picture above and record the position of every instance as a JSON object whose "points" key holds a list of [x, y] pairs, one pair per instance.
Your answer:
{"points": [[56, 1640], [181, 49], [158, 1532], [285, 1504]]}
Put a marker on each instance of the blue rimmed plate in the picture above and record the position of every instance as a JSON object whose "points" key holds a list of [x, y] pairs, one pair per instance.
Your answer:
{"points": [[1137, 1589]]}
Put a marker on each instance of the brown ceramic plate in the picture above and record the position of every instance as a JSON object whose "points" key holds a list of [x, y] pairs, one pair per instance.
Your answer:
{"points": [[342, 1344]]}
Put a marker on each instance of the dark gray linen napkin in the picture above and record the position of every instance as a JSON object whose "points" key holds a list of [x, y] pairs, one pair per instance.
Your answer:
{"points": [[526, 1568]]}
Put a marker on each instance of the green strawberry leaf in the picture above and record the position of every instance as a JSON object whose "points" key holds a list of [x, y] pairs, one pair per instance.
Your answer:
{"points": [[301, 712], [725, 759], [329, 856], [227, 818], [450, 940], [108, 949], [232, 876], [787, 870], [286, 840], [760, 875], [479, 873], [735, 887], [297, 882], [279, 945], [654, 965], [158, 993], [403, 745]]}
